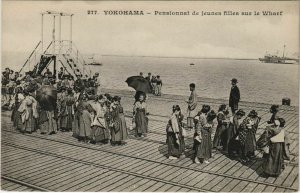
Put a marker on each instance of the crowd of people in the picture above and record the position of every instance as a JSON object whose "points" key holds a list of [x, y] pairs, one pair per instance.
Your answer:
{"points": [[235, 134], [93, 117], [77, 107]]}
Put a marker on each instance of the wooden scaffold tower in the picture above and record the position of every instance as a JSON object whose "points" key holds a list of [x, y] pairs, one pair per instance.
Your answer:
{"points": [[59, 52]]}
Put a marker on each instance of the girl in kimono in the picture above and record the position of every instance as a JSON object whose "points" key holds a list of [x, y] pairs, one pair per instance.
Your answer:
{"points": [[28, 112], [107, 103], [99, 132], [123, 121], [118, 125], [273, 163], [205, 152], [223, 121], [180, 117], [16, 117], [140, 117], [247, 132], [200, 121], [232, 145], [67, 111], [175, 140], [61, 94], [84, 119], [47, 122]]}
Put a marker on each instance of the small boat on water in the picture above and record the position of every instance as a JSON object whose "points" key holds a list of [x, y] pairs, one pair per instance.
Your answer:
{"points": [[192, 64], [94, 63]]}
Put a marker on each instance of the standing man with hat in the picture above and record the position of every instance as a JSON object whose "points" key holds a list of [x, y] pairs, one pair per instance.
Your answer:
{"points": [[234, 97]]}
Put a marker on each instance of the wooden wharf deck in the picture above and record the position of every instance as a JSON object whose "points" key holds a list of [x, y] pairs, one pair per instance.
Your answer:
{"points": [[35, 162]]}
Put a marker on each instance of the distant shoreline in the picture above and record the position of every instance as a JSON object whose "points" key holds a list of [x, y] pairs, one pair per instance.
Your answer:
{"points": [[187, 57]]}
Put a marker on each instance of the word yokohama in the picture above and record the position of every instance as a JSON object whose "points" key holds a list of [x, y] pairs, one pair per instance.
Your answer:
{"points": [[120, 12]]}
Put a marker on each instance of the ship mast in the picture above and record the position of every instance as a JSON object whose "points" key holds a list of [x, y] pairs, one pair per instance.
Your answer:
{"points": [[283, 51]]}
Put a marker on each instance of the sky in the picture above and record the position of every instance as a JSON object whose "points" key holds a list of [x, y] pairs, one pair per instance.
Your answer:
{"points": [[153, 35]]}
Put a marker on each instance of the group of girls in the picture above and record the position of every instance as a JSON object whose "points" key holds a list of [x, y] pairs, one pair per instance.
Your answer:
{"points": [[100, 120], [234, 136]]}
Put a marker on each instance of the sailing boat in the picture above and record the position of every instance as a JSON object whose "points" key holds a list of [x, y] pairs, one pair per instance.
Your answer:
{"points": [[277, 59], [94, 63]]}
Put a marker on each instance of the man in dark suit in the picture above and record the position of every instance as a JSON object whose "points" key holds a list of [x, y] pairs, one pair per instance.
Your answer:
{"points": [[234, 97]]}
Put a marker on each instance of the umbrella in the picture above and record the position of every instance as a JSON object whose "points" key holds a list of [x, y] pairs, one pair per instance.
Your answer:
{"points": [[139, 84], [47, 97]]}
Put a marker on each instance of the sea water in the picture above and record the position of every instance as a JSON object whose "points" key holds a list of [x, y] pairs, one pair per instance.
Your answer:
{"points": [[258, 82]]}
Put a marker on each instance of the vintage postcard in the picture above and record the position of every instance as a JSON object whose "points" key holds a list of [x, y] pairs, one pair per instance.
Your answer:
{"points": [[150, 96]]}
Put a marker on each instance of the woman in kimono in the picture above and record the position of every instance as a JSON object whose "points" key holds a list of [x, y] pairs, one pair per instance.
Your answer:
{"points": [[180, 117], [273, 163], [223, 121], [84, 119], [247, 132], [107, 103], [67, 111], [123, 121], [200, 122], [16, 117], [175, 140], [47, 122], [140, 117], [28, 112], [75, 129], [232, 144], [205, 152], [99, 132], [61, 94], [118, 125]]}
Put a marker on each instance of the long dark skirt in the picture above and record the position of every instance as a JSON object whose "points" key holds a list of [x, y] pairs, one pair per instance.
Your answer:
{"points": [[99, 134], [18, 121], [203, 149], [250, 144], [49, 125], [124, 127], [174, 149], [220, 136], [181, 139], [75, 128], [16, 117], [274, 161], [141, 122], [229, 137], [85, 124], [66, 120], [119, 131]]}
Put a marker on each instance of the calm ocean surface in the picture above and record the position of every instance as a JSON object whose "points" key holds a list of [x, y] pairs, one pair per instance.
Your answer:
{"points": [[258, 82]]}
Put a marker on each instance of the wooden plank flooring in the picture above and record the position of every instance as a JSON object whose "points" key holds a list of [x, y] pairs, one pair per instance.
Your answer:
{"points": [[61, 163]]}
